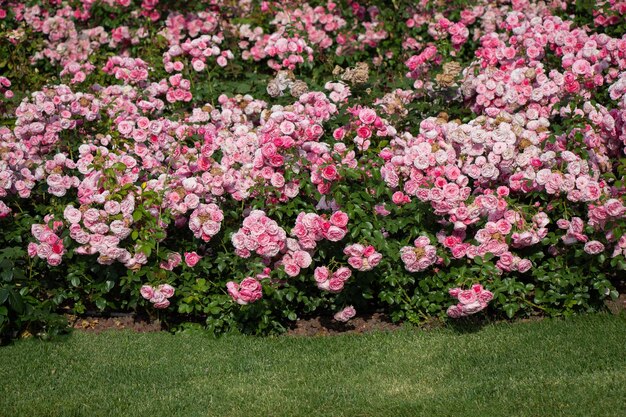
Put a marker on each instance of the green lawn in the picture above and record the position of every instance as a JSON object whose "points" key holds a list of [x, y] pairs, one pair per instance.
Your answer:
{"points": [[573, 367]]}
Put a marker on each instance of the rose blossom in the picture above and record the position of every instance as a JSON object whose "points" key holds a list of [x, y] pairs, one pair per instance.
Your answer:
{"points": [[345, 314], [192, 258]]}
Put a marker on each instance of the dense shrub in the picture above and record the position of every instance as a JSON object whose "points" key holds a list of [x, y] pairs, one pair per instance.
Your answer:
{"points": [[238, 165]]}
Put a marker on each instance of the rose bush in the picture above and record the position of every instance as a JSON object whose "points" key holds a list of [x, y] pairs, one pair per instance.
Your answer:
{"points": [[238, 165]]}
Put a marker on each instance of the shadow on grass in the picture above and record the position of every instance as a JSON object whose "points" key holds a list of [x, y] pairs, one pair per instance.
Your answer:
{"points": [[467, 325]]}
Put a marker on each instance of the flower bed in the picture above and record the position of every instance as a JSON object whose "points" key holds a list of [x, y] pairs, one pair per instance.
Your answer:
{"points": [[237, 165]]}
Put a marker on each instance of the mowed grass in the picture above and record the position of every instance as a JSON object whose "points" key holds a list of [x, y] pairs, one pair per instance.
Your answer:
{"points": [[574, 367]]}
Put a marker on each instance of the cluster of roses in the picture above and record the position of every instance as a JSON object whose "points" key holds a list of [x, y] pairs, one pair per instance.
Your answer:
{"points": [[206, 220], [178, 90], [295, 258], [78, 71], [470, 173], [310, 228], [319, 23], [199, 49], [443, 28], [5, 85], [247, 291], [470, 301], [333, 282], [420, 256], [159, 296], [50, 246], [259, 234], [194, 35], [365, 123], [129, 70], [362, 258], [283, 51]]}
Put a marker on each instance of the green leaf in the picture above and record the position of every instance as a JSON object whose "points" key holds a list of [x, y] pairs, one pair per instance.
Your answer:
{"points": [[101, 303], [4, 294], [16, 302]]}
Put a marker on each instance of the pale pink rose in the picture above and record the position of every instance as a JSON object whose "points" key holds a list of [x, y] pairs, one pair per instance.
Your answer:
{"points": [[346, 314], [335, 284], [581, 67], [355, 262], [593, 247], [524, 265], [321, 274], [166, 289], [157, 297], [72, 214], [303, 259], [162, 304], [233, 290], [335, 234], [467, 297], [454, 312], [367, 116], [324, 285], [112, 207], [343, 273], [292, 269], [473, 307], [614, 208], [485, 296]]}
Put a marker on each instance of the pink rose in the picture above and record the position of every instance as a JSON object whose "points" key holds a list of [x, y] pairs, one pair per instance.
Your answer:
{"points": [[355, 262], [343, 274], [147, 292], [157, 297], [329, 173], [166, 289], [233, 290], [335, 234], [467, 297], [346, 314], [335, 284], [162, 304], [339, 219], [250, 290], [473, 307], [524, 265], [321, 274], [593, 247], [292, 269], [454, 312], [192, 258], [485, 296]]}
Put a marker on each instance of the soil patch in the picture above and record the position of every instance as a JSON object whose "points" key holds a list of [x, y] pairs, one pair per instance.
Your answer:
{"points": [[97, 324], [324, 326]]}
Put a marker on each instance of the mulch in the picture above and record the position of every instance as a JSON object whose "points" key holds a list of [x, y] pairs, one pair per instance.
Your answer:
{"points": [[314, 326]]}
